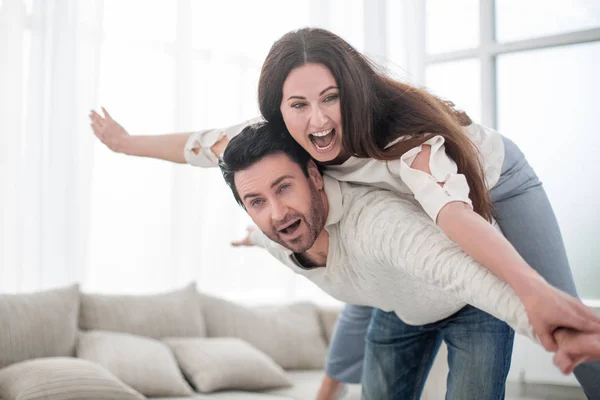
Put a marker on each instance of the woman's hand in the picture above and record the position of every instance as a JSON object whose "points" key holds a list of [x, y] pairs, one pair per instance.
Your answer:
{"points": [[245, 241], [549, 309], [113, 135]]}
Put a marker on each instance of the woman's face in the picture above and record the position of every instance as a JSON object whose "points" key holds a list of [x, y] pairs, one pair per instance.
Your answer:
{"points": [[311, 110]]}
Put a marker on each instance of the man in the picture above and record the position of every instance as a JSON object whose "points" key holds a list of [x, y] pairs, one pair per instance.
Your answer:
{"points": [[367, 246]]}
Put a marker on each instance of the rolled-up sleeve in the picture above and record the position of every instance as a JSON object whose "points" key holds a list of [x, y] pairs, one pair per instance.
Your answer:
{"points": [[197, 149], [434, 191]]}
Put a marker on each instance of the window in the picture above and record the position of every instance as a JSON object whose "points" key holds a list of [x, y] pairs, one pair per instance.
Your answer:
{"points": [[528, 69]]}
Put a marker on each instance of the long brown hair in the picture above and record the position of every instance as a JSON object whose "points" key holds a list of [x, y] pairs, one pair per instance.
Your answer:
{"points": [[375, 108]]}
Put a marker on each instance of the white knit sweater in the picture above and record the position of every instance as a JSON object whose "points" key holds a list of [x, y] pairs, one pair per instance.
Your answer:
{"points": [[384, 252]]}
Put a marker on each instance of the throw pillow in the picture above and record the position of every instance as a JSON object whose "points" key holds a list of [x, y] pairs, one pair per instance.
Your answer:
{"points": [[172, 314], [147, 365], [289, 334], [226, 363], [61, 378]]}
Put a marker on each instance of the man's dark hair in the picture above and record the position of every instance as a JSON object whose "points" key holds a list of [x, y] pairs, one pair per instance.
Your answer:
{"points": [[254, 143]]}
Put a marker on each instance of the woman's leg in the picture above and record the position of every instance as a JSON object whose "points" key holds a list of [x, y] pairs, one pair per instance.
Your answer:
{"points": [[347, 347], [398, 358], [479, 354], [527, 220]]}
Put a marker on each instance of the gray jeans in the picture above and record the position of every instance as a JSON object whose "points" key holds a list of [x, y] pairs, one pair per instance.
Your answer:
{"points": [[525, 215]]}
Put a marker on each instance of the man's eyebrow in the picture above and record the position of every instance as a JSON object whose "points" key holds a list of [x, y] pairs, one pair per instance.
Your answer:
{"points": [[275, 183], [281, 178], [247, 195], [320, 94]]}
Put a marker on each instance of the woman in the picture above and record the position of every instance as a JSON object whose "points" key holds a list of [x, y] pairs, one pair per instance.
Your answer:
{"points": [[367, 128]]}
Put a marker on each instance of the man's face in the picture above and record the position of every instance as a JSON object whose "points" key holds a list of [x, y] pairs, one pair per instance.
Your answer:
{"points": [[285, 204]]}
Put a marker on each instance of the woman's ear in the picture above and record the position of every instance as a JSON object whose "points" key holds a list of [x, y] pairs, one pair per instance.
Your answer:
{"points": [[314, 174]]}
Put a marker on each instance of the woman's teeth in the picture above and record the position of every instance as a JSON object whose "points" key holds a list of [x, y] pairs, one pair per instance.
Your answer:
{"points": [[324, 140]]}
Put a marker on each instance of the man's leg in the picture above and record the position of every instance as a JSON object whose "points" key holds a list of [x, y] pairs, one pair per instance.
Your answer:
{"points": [[398, 358], [479, 354]]}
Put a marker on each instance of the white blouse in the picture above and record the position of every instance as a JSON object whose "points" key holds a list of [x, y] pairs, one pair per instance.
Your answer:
{"points": [[396, 175]]}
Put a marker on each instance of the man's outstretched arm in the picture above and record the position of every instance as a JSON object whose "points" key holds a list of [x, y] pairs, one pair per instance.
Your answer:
{"points": [[397, 233]]}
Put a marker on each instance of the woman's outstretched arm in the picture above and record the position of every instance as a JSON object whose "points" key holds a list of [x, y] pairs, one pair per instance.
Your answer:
{"points": [[168, 147]]}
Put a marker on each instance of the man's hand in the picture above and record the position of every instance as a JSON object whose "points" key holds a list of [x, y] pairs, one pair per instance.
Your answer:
{"points": [[575, 348], [245, 241], [109, 131], [549, 309]]}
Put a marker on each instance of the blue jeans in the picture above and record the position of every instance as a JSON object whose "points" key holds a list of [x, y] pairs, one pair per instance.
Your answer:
{"points": [[525, 215], [398, 356]]}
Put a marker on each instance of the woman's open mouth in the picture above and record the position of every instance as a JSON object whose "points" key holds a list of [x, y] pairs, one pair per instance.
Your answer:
{"points": [[323, 141]]}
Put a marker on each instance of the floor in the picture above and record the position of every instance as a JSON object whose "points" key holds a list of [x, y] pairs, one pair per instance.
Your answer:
{"points": [[515, 391]]}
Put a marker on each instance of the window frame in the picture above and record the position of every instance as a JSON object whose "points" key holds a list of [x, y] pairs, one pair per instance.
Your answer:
{"points": [[489, 50]]}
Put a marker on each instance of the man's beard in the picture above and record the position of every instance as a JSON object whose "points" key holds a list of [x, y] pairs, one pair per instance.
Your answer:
{"points": [[315, 223]]}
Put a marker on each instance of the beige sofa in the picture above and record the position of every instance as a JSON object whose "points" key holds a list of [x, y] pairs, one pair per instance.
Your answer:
{"points": [[65, 344]]}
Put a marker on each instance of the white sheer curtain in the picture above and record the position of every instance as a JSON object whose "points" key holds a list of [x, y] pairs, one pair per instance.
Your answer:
{"points": [[187, 65], [74, 211], [49, 58]]}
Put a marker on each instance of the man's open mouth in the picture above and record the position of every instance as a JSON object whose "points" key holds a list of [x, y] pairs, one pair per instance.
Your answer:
{"points": [[290, 228], [323, 141]]}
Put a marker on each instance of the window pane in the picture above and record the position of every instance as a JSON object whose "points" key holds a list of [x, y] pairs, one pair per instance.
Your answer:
{"points": [[547, 103], [452, 25], [459, 82], [518, 20]]}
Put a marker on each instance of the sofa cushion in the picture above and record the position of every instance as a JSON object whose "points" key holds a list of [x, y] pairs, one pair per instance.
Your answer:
{"points": [[60, 378], [290, 334], [42, 324], [226, 363], [147, 365], [172, 314]]}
